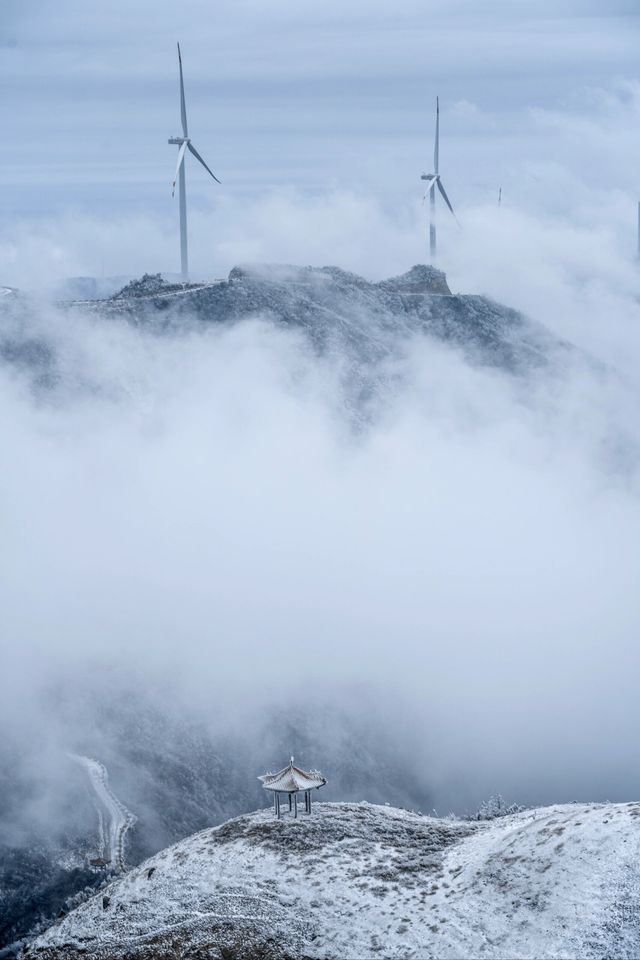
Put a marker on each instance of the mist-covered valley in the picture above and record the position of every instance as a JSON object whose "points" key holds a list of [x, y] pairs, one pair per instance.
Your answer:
{"points": [[386, 529]]}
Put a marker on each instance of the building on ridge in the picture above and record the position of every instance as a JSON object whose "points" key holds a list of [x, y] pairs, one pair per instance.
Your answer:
{"points": [[291, 780]]}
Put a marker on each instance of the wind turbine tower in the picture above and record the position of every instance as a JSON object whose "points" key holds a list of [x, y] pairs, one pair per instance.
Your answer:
{"points": [[434, 182], [184, 142]]}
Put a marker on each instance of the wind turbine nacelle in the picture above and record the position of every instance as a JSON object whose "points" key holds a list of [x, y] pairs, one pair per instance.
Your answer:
{"points": [[425, 176], [178, 140]]}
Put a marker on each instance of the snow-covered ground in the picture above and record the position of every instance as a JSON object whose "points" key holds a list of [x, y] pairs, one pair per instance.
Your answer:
{"points": [[114, 820], [360, 881]]}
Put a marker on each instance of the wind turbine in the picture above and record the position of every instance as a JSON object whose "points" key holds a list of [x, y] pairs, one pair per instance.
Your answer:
{"points": [[184, 142], [434, 181]]}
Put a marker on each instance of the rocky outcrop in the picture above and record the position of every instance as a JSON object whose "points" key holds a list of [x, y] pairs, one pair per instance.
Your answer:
{"points": [[151, 285], [420, 280]]}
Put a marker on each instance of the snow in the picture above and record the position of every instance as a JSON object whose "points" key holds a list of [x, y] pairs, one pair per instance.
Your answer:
{"points": [[292, 779], [360, 881]]}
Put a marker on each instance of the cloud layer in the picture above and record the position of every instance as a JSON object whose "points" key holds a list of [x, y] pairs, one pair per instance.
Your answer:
{"points": [[198, 507], [204, 512]]}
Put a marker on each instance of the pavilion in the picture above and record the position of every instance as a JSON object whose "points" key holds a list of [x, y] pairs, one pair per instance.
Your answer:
{"points": [[291, 780]]}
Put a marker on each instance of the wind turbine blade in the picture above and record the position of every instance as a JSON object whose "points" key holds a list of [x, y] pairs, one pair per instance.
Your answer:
{"points": [[446, 200], [436, 149], [198, 157], [183, 108], [181, 153]]}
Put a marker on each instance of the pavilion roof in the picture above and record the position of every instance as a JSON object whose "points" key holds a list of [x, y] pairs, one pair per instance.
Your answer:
{"points": [[291, 779]]}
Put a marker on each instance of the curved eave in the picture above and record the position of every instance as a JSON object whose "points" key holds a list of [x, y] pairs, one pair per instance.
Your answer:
{"points": [[292, 780], [292, 786]]}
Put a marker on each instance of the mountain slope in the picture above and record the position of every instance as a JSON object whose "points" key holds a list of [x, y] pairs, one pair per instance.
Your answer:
{"points": [[335, 307], [359, 881], [174, 773], [363, 325]]}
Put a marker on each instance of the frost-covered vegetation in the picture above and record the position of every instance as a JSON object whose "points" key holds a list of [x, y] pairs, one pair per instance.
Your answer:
{"points": [[362, 881], [495, 807]]}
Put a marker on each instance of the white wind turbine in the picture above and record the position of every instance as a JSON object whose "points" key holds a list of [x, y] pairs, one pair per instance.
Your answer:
{"points": [[434, 181], [184, 142]]}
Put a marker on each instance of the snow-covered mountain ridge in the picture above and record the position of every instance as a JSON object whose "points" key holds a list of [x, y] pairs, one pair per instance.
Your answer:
{"points": [[364, 324], [361, 880], [337, 308]]}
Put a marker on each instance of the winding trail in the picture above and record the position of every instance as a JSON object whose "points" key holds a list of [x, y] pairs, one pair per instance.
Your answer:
{"points": [[156, 295], [114, 819]]}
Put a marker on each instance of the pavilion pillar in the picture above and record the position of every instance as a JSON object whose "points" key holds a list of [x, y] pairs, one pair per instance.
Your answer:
{"points": [[289, 782]]}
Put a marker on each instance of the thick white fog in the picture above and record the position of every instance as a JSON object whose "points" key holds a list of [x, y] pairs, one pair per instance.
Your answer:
{"points": [[202, 511], [203, 515]]}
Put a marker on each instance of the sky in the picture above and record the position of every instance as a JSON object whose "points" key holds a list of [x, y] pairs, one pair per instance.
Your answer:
{"points": [[313, 107], [475, 554]]}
